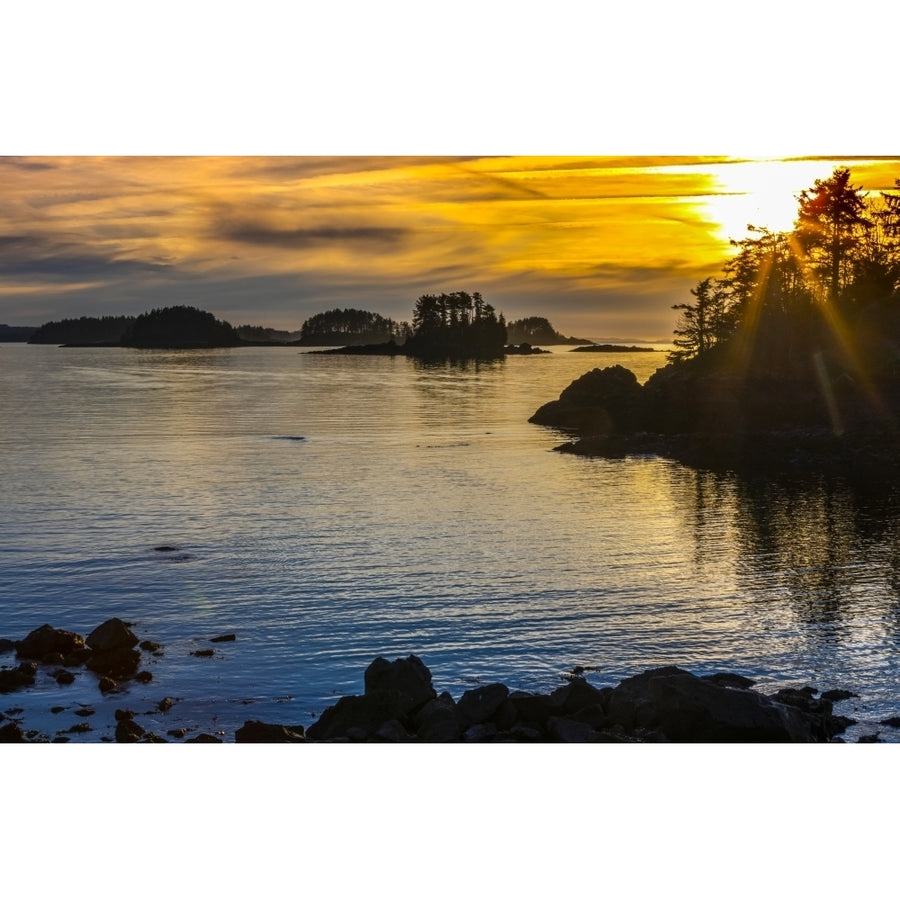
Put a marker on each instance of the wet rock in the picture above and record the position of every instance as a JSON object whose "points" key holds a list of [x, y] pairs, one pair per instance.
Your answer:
{"points": [[204, 652], [77, 657], [408, 676], [166, 548], [117, 662], [367, 713], [683, 707], [165, 704], [838, 694], [123, 715], [255, 732], [107, 684], [177, 732], [46, 640], [128, 732], [480, 733], [111, 635], [86, 711], [479, 704], [53, 659], [151, 738], [535, 709], [54, 709], [11, 733], [63, 677], [576, 695], [392, 732], [869, 739], [568, 731], [892, 722], [729, 679], [222, 638], [144, 677], [79, 728], [149, 646], [7, 646], [438, 720], [204, 739], [20, 677]]}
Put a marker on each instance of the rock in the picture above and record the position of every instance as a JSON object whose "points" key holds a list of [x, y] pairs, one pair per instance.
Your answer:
{"points": [[11, 733], [165, 704], [149, 646], [177, 732], [206, 651], [438, 720], [14, 679], [368, 713], [480, 733], [77, 657], [204, 739], [409, 676], [85, 711], [479, 704], [117, 662], [892, 722], [46, 640], [7, 646], [568, 731], [729, 679], [392, 732], [112, 634], [535, 709], [63, 677], [869, 739], [837, 694], [107, 684], [254, 732], [683, 707], [578, 694], [53, 659], [128, 732], [123, 715], [223, 637], [144, 677], [79, 728]]}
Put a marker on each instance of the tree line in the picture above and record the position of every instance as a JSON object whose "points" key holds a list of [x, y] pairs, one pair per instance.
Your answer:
{"points": [[833, 280]]}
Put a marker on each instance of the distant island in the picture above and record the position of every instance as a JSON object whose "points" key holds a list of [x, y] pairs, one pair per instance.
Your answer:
{"points": [[786, 362], [12, 334], [534, 330], [612, 348]]}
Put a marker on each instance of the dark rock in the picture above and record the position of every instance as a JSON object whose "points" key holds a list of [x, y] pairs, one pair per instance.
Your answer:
{"points": [[45, 640], [368, 713], [79, 728], [54, 709], [14, 679], [568, 731], [177, 732], [438, 720], [803, 698], [165, 704], [479, 704], [149, 646], [77, 657], [506, 715], [254, 732], [128, 732], [729, 679], [144, 677], [123, 715], [686, 708], [869, 739], [526, 734], [204, 739], [409, 676], [117, 662], [480, 732], [111, 635], [595, 716], [892, 722], [223, 637], [578, 694], [533, 708], [392, 732], [53, 659], [206, 651], [85, 711], [165, 548], [11, 733], [7, 646], [63, 677], [107, 684], [838, 694]]}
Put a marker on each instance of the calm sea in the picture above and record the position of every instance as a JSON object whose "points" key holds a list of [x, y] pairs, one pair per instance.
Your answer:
{"points": [[331, 509]]}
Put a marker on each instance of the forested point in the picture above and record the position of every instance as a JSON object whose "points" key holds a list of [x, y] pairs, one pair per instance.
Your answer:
{"points": [[350, 327], [788, 359], [179, 327], [84, 330], [537, 330]]}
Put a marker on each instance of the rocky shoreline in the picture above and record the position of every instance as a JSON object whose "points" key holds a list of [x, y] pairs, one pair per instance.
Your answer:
{"points": [[401, 705]]}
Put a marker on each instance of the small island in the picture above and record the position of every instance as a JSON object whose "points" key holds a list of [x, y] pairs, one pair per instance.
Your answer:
{"points": [[613, 348], [786, 362]]}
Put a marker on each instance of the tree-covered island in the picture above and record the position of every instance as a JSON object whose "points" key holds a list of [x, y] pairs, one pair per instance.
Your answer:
{"points": [[789, 359]]}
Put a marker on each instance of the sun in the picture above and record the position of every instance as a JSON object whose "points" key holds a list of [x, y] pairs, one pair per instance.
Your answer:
{"points": [[762, 193]]}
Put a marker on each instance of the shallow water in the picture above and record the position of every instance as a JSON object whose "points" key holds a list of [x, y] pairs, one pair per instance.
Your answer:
{"points": [[331, 509]]}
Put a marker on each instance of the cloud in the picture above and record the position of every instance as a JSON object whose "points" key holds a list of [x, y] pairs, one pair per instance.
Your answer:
{"points": [[297, 238]]}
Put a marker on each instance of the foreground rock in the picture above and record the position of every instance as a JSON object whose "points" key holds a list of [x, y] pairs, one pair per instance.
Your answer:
{"points": [[660, 705]]}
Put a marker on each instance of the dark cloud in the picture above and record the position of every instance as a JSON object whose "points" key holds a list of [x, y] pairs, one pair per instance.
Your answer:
{"points": [[28, 164], [298, 238], [36, 257]]}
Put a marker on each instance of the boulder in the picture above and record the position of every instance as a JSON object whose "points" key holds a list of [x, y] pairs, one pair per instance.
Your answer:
{"points": [[47, 640], [11, 733], [578, 694], [117, 662], [438, 720], [255, 732], [112, 634], [128, 732], [21, 676], [683, 707], [367, 713], [409, 676], [479, 704]]}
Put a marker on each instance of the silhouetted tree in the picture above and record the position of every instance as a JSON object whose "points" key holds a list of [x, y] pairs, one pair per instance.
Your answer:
{"points": [[456, 325], [703, 324], [179, 327]]}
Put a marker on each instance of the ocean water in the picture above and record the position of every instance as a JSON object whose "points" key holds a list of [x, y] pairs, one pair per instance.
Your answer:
{"points": [[332, 509]]}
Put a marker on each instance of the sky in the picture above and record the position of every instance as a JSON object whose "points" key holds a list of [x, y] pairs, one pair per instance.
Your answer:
{"points": [[602, 246]]}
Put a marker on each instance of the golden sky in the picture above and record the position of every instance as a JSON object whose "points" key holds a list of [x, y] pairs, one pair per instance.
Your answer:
{"points": [[602, 246]]}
